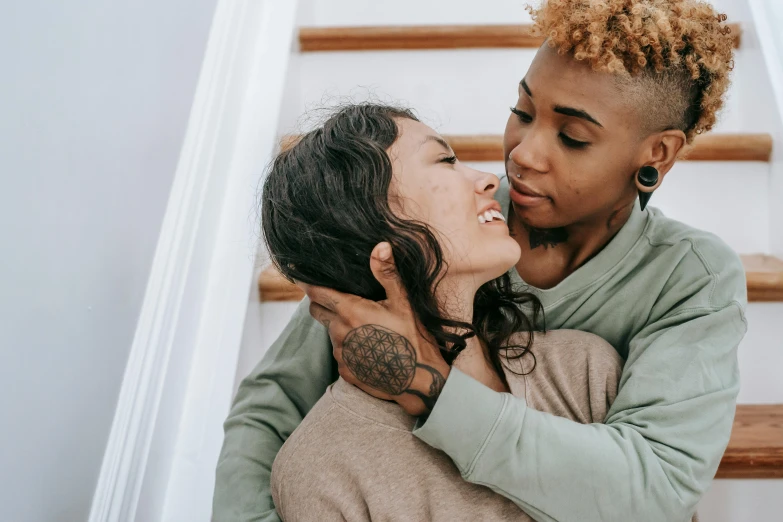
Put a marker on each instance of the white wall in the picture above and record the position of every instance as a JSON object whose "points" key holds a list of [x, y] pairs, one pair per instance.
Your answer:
{"points": [[94, 100]]}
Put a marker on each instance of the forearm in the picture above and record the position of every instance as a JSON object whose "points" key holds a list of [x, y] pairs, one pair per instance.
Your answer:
{"points": [[560, 470], [270, 403], [653, 459], [242, 485]]}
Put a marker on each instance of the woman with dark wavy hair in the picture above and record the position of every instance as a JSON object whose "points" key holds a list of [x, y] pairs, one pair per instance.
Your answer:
{"points": [[330, 199], [376, 190]]}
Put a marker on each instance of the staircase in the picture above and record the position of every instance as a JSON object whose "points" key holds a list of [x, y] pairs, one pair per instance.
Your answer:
{"points": [[462, 78]]}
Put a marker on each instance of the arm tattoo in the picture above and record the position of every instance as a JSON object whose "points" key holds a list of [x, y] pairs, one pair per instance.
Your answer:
{"points": [[385, 360], [435, 388]]}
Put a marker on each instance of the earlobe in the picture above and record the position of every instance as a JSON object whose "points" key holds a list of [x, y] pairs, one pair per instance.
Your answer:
{"points": [[647, 180], [665, 151]]}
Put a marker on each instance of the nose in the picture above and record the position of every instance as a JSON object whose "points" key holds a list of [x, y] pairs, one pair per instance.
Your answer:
{"points": [[530, 152], [486, 183]]}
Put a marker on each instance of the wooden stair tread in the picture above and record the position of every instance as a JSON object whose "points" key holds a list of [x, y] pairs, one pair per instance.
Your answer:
{"points": [[410, 37], [764, 276], [272, 286], [756, 446], [707, 147]]}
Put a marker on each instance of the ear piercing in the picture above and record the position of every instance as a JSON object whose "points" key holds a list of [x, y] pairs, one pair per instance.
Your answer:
{"points": [[647, 177]]}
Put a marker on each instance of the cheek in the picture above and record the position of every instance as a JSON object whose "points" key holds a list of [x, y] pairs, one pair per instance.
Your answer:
{"points": [[593, 183], [441, 204], [449, 207]]}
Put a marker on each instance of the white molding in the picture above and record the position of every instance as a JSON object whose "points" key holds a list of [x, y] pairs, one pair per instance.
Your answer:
{"points": [[767, 20], [176, 391]]}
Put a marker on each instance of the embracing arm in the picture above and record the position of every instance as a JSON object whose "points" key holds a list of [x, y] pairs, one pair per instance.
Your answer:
{"points": [[653, 458], [269, 405], [664, 435]]}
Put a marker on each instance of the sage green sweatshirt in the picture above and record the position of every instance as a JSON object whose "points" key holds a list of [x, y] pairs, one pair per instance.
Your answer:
{"points": [[670, 299]]}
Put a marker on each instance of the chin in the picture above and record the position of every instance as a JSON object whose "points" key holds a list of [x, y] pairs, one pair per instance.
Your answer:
{"points": [[534, 218], [503, 258], [486, 260]]}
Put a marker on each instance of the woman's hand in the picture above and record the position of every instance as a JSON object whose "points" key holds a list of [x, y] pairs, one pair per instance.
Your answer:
{"points": [[378, 346]]}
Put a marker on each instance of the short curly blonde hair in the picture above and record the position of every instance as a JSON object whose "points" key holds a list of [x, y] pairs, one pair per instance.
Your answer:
{"points": [[676, 53]]}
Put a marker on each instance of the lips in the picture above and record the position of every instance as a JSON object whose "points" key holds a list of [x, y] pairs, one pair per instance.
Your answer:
{"points": [[527, 191], [526, 196]]}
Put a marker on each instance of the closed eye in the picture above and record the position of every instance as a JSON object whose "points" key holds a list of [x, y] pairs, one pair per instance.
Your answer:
{"points": [[572, 143], [522, 115], [567, 141], [449, 159]]}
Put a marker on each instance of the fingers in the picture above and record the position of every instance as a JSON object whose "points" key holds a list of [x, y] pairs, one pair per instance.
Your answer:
{"points": [[335, 325], [326, 297], [384, 270], [322, 314]]}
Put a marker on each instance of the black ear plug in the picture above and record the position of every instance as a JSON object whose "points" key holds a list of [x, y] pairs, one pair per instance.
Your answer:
{"points": [[648, 177]]}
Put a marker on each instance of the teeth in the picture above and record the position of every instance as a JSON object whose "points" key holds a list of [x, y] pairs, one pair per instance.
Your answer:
{"points": [[489, 215]]}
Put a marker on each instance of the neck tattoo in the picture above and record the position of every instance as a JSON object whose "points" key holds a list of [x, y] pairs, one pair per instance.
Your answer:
{"points": [[546, 237]]}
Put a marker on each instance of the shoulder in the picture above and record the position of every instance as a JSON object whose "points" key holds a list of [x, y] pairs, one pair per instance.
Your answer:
{"points": [[698, 261], [576, 375], [566, 350], [575, 346], [306, 438]]}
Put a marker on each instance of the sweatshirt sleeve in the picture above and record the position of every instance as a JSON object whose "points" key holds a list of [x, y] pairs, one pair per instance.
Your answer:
{"points": [[270, 403], [651, 460]]}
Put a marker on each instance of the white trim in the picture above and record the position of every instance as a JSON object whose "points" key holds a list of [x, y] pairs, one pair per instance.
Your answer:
{"points": [[766, 22], [160, 458]]}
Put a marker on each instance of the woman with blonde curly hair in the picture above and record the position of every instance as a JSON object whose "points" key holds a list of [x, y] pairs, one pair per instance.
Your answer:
{"points": [[610, 102]]}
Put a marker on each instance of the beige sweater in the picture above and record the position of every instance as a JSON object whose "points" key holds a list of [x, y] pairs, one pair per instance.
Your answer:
{"points": [[354, 457]]}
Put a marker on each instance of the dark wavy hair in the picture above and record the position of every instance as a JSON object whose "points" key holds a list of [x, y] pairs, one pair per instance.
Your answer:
{"points": [[325, 206]]}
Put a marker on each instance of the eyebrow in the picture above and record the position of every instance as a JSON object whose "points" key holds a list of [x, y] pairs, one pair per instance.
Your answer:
{"points": [[440, 141], [576, 113], [567, 111], [523, 83]]}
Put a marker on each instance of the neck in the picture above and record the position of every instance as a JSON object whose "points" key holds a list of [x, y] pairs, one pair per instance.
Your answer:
{"points": [[565, 249], [455, 295]]}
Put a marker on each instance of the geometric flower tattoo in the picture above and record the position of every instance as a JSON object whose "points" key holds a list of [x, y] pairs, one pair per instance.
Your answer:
{"points": [[385, 360]]}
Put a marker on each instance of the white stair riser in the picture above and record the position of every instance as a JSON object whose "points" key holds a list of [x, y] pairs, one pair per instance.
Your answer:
{"points": [[469, 91], [736, 500], [439, 12], [727, 198], [410, 12], [761, 356]]}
